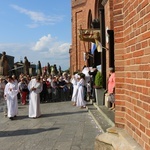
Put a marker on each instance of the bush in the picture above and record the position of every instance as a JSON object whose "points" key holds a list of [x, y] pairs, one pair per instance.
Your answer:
{"points": [[98, 80]]}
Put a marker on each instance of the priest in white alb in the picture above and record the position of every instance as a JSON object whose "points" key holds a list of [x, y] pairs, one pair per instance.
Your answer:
{"points": [[35, 87]]}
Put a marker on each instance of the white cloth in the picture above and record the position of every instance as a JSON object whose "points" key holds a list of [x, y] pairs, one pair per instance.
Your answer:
{"points": [[80, 95], [87, 76], [86, 71], [88, 85], [75, 88], [75, 93], [10, 92], [34, 98]]}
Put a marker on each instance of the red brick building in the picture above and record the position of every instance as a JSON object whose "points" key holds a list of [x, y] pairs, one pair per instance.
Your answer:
{"points": [[125, 31]]}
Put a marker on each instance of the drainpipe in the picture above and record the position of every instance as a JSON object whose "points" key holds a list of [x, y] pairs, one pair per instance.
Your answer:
{"points": [[103, 53]]}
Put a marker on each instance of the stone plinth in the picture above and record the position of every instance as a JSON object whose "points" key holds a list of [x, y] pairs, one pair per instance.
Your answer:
{"points": [[116, 139]]}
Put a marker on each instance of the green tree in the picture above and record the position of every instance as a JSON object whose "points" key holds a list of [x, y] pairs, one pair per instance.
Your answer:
{"points": [[98, 80]]}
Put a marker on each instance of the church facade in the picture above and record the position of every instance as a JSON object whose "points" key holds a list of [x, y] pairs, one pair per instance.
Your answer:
{"points": [[124, 30]]}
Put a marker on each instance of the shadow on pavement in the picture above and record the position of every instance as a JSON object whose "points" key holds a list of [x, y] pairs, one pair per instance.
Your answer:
{"points": [[61, 114], [25, 132], [21, 117]]}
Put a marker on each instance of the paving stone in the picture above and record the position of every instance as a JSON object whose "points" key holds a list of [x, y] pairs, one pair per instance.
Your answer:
{"points": [[61, 127]]}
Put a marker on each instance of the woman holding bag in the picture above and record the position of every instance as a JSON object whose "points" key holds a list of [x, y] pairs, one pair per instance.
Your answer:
{"points": [[111, 88]]}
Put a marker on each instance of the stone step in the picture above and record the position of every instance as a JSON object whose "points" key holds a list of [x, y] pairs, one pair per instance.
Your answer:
{"points": [[116, 139], [113, 138], [126, 138], [107, 113], [101, 120]]}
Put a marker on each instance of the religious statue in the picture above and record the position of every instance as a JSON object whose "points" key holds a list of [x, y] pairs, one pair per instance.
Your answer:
{"points": [[4, 65], [60, 71], [54, 70], [48, 68], [39, 68], [26, 66]]}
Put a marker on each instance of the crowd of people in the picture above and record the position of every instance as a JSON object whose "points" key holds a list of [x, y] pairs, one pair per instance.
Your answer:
{"points": [[42, 89], [35, 90]]}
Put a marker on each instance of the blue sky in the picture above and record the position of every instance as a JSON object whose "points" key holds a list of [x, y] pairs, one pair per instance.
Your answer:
{"points": [[39, 30]]}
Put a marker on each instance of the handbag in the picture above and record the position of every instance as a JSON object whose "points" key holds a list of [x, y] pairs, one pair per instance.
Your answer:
{"points": [[111, 97]]}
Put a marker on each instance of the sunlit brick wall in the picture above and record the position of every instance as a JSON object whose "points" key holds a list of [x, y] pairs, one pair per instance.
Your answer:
{"points": [[109, 25], [132, 54], [80, 11]]}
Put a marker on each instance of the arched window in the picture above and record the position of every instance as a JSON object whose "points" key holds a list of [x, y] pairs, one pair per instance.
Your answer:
{"points": [[89, 19]]}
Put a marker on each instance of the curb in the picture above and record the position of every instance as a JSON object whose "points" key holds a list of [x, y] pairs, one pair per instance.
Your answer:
{"points": [[96, 121], [104, 115]]}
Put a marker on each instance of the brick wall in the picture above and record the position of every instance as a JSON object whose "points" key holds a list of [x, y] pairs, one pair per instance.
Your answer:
{"points": [[131, 25], [109, 25], [77, 20], [132, 55], [80, 12]]}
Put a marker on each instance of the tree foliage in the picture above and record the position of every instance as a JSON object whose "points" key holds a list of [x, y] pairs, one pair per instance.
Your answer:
{"points": [[98, 80]]}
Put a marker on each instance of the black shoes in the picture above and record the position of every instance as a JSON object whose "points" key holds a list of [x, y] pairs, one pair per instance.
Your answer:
{"points": [[11, 118]]}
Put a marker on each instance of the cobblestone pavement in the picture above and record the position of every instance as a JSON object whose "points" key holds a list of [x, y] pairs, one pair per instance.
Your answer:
{"points": [[61, 127]]}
